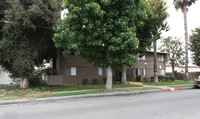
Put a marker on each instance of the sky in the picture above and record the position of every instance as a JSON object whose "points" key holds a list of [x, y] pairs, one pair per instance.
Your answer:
{"points": [[176, 22]]}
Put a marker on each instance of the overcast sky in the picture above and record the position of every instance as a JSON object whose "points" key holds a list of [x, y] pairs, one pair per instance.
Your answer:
{"points": [[176, 21]]}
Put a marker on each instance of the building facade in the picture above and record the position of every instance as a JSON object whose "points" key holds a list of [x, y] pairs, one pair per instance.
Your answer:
{"points": [[4, 78], [72, 69]]}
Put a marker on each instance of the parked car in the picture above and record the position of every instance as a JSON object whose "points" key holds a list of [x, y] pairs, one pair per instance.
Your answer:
{"points": [[197, 82]]}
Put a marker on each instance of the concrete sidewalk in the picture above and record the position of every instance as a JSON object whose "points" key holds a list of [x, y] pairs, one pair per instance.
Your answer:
{"points": [[161, 87]]}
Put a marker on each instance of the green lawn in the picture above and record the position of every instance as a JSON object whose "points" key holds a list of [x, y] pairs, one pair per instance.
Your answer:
{"points": [[86, 87], [183, 86], [177, 82], [99, 91]]}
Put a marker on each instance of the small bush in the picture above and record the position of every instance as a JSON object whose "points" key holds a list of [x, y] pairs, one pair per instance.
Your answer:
{"points": [[9, 88], [94, 81], [138, 78], [104, 80], [145, 79], [161, 78], [171, 78], [84, 81], [116, 79], [167, 78], [41, 88], [36, 81], [152, 79]]}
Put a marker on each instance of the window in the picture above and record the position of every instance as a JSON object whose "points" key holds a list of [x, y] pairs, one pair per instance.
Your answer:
{"points": [[160, 57], [140, 72], [101, 71], [141, 57], [71, 71], [160, 66], [162, 72]]}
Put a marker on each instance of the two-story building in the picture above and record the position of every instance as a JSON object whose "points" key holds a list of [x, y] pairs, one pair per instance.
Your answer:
{"points": [[73, 69]]}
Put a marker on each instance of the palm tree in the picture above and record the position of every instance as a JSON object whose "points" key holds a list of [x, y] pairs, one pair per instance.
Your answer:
{"points": [[183, 5]]}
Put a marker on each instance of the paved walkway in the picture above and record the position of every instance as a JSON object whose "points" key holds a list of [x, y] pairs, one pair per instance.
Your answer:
{"points": [[162, 87]]}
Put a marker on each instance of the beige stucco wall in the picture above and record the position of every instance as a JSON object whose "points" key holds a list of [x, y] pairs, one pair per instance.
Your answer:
{"points": [[180, 69]]}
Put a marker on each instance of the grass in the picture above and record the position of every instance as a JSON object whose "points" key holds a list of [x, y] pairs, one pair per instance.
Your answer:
{"points": [[86, 87], [98, 92], [177, 82], [182, 86], [20, 94]]}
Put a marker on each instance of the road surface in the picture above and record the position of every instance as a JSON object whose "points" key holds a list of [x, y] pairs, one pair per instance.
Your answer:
{"points": [[183, 104]]}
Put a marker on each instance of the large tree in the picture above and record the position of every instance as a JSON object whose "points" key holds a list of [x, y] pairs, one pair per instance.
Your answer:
{"points": [[175, 52], [4, 4], [27, 36], [183, 5], [195, 46], [103, 30], [157, 14]]}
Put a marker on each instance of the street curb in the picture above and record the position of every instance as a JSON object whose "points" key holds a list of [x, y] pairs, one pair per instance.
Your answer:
{"points": [[79, 96], [173, 89]]}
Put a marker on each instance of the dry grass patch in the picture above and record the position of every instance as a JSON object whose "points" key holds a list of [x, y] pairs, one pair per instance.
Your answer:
{"points": [[21, 94]]}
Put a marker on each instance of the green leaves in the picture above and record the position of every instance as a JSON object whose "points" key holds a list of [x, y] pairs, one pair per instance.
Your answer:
{"points": [[175, 50], [27, 37], [195, 46], [180, 3], [100, 27]]}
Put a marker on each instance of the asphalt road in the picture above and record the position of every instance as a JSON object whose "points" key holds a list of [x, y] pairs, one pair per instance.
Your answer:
{"points": [[183, 104]]}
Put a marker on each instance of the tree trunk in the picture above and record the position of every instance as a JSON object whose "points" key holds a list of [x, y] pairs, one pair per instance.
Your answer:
{"points": [[186, 41], [155, 61], [109, 78], [23, 83], [124, 79], [172, 70], [109, 74]]}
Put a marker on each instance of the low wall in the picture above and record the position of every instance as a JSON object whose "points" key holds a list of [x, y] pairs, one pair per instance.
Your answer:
{"points": [[54, 80]]}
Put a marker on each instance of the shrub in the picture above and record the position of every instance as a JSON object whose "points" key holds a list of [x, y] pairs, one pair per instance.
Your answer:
{"points": [[171, 78], [161, 78], [104, 80], [9, 88], [138, 78], [145, 79], [84, 81], [152, 79], [94, 81], [41, 88], [36, 81], [167, 78]]}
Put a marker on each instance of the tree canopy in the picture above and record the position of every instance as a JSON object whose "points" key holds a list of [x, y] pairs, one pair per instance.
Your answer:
{"points": [[103, 30], [175, 51], [27, 35], [180, 4], [157, 14], [100, 28], [195, 46]]}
